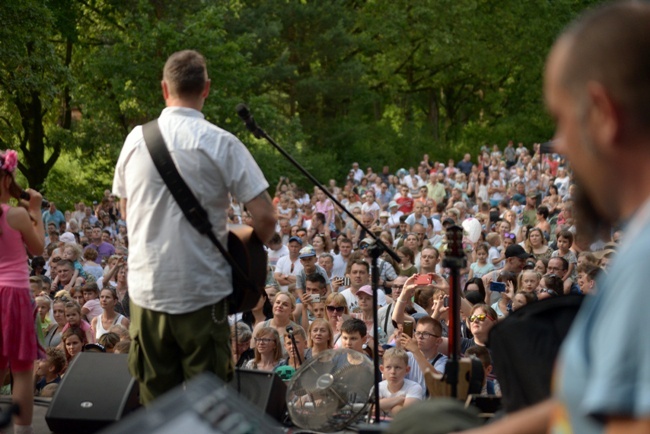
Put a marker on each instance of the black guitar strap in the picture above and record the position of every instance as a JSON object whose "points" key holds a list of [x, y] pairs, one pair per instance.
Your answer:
{"points": [[189, 204]]}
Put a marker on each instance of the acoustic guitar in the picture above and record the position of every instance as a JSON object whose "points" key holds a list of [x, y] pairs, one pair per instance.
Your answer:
{"points": [[247, 250]]}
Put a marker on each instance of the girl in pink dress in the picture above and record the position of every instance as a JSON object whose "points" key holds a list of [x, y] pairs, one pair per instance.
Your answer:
{"points": [[19, 228]]}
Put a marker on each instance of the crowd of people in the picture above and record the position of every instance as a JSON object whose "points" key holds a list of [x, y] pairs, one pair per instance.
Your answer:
{"points": [[319, 263], [517, 207]]}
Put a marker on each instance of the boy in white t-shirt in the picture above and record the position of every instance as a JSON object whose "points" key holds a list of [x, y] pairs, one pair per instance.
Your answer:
{"points": [[396, 392]]}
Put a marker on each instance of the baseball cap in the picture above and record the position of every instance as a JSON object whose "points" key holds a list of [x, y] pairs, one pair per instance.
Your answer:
{"points": [[307, 252], [516, 251], [67, 237], [366, 289], [367, 240], [296, 239]]}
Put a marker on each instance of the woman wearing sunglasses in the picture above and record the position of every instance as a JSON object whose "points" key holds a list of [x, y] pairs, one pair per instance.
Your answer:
{"points": [[481, 320], [551, 285], [337, 311]]}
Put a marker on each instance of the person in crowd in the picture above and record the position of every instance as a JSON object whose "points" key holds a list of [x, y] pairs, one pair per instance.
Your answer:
{"points": [[240, 344], [320, 338], [528, 281], [108, 341], [74, 320], [550, 285], [406, 266], [522, 299], [262, 312], [73, 340], [49, 369], [481, 267], [283, 308], [587, 275], [104, 250], [268, 350], [337, 312], [296, 354], [396, 392], [90, 266], [490, 385], [288, 267], [53, 336], [425, 343], [101, 324], [91, 307], [536, 244], [564, 243]]}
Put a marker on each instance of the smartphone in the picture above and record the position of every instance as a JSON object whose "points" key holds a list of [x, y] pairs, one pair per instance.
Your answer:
{"points": [[445, 301], [424, 279], [315, 298], [408, 328], [497, 287]]}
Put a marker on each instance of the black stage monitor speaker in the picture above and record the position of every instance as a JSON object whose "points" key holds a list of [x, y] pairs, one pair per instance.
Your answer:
{"points": [[96, 391], [264, 389], [204, 405]]}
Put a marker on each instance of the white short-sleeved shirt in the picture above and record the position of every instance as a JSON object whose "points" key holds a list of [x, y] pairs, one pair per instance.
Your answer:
{"points": [[285, 266], [410, 389], [172, 267]]}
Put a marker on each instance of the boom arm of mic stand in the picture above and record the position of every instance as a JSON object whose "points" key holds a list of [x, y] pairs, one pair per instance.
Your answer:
{"points": [[259, 132]]}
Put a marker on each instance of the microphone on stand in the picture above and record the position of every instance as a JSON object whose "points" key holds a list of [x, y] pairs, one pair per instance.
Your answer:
{"points": [[295, 348], [249, 120]]}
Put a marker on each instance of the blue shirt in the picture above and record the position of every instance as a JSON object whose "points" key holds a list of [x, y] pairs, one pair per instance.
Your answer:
{"points": [[604, 365]]}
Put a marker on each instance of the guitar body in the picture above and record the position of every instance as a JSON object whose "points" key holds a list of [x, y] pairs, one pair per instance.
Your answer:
{"points": [[248, 252]]}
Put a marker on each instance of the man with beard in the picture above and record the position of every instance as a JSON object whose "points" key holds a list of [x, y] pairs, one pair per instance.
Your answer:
{"points": [[597, 87]]}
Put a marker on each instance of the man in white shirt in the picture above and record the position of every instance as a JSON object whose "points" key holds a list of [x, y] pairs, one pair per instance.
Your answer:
{"points": [[178, 281]]}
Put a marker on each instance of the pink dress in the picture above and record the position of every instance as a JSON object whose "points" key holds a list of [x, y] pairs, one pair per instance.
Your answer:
{"points": [[18, 345]]}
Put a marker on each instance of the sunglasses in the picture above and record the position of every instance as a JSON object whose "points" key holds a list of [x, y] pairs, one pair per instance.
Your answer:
{"points": [[548, 291], [479, 318], [509, 235], [338, 309]]}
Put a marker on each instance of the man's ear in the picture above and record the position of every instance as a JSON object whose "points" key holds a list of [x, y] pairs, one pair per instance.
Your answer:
{"points": [[408, 369]]}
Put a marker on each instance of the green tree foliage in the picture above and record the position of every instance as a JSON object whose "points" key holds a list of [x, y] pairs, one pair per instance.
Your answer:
{"points": [[375, 81]]}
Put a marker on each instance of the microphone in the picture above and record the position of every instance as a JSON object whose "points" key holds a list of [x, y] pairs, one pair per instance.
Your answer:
{"points": [[25, 196], [290, 330], [245, 115]]}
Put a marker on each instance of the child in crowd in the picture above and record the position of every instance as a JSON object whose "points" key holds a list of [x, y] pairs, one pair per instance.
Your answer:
{"points": [[481, 267], [121, 331], [72, 253], [44, 304], [318, 310], [91, 307], [73, 319], [108, 341], [396, 392], [36, 285], [494, 254], [49, 369], [406, 267], [490, 384], [353, 334], [564, 243], [529, 281], [122, 347]]}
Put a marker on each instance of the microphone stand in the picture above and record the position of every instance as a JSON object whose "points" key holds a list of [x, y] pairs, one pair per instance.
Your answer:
{"points": [[455, 260], [295, 348], [376, 250]]}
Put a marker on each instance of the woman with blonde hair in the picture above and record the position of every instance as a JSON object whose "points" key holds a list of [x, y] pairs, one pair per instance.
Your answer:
{"points": [[268, 350], [320, 337], [337, 313]]}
